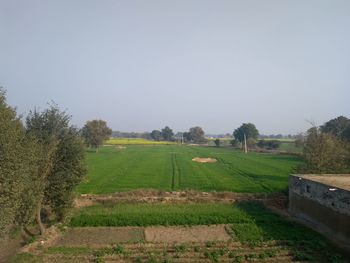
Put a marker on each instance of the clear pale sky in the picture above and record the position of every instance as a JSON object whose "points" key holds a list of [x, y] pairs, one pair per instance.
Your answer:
{"points": [[141, 65]]}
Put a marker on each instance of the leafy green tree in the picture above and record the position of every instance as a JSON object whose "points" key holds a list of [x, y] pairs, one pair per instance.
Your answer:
{"points": [[187, 137], [339, 127], [61, 165], [18, 170], [95, 132], [248, 129], [156, 135], [31, 183], [323, 153], [196, 134], [167, 134], [11, 135], [217, 142], [45, 128], [67, 172]]}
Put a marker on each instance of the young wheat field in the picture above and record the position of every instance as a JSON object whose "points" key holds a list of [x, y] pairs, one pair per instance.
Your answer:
{"points": [[170, 167]]}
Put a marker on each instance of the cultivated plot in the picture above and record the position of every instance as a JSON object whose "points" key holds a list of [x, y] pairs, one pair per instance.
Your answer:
{"points": [[171, 167]]}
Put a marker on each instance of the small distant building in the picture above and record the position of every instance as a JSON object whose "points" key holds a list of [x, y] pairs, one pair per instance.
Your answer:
{"points": [[322, 202]]}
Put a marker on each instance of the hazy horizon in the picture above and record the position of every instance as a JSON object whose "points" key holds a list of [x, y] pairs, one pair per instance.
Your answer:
{"points": [[142, 65]]}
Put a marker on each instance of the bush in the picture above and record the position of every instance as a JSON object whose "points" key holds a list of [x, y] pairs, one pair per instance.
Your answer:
{"points": [[270, 145]]}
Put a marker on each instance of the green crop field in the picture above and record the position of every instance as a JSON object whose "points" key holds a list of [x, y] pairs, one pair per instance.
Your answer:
{"points": [[171, 167], [251, 223]]}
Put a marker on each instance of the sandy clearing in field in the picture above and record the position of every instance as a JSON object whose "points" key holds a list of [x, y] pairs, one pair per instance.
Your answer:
{"points": [[204, 160], [186, 234]]}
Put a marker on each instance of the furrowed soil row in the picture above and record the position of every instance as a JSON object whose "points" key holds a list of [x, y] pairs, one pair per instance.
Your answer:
{"points": [[195, 252]]}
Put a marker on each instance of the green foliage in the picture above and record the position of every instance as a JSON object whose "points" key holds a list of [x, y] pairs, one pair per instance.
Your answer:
{"points": [[156, 214], [252, 224], [18, 170], [195, 134], [323, 153], [339, 127], [156, 135], [167, 134], [235, 143], [269, 144], [62, 154], [248, 129], [213, 256], [67, 172], [181, 248], [171, 168], [261, 225], [217, 142], [95, 132]]}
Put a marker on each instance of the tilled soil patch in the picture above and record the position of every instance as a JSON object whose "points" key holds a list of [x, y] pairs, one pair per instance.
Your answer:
{"points": [[97, 236], [101, 236], [186, 234]]}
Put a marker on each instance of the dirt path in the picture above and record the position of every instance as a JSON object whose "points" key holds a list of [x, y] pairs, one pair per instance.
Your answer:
{"points": [[154, 196]]}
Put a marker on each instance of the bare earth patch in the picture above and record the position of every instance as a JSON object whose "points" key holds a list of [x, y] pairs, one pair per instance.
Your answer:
{"points": [[155, 196], [204, 160], [186, 234], [104, 236], [99, 236]]}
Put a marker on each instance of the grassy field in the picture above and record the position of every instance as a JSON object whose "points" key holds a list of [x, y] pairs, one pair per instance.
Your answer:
{"points": [[171, 168], [251, 223], [136, 141]]}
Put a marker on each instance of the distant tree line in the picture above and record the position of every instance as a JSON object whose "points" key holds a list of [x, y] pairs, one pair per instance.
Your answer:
{"points": [[143, 135], [194, 135]]}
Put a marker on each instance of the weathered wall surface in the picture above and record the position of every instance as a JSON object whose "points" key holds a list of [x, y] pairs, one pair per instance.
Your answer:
{"points": [[325, 207]]}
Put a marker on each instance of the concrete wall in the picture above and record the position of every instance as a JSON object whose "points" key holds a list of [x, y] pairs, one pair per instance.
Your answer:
{"points": [[324, 207]]}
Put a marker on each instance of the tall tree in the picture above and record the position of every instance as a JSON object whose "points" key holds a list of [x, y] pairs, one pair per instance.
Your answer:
{"points": [[339, 127], [45, 127], [156, 135], [61, 159], [95, 132], [196, 134], [247, 129], [167, 134], [323, 153], [18, 170]]}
